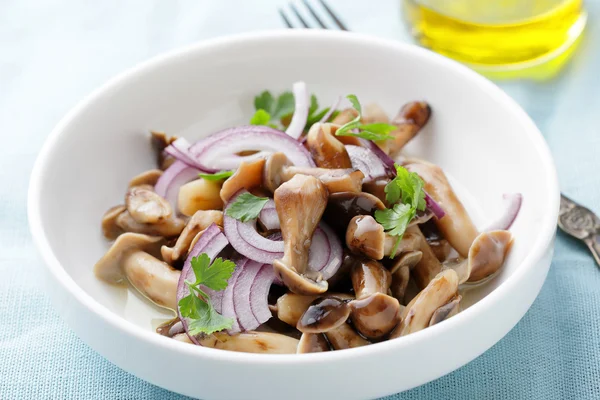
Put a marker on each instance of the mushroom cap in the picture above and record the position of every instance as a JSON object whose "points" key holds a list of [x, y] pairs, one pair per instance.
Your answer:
{"points": [[312, 343], [272, 170], [409, 259], [343, 206], [109, 267], [446, 311], [375, 316], [369, 277], [149, 177], [323, 315], [487, 254], [145, 206], [248, 176], [365, 236], [110, 229], [345, 337], [299, 283], [326, 149], [168, 228], [291, 306]]}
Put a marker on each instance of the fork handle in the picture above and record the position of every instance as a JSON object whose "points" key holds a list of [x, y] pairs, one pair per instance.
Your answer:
{"points": [[593, 243]]}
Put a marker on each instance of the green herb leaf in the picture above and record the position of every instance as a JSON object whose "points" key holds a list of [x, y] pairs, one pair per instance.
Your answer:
{"points": [[208, 320], [246, 207], [260, 117], [217, 176], [196, 306], [264, 101], [376, 132], [396, 219], [285, 106], [314, 105]]}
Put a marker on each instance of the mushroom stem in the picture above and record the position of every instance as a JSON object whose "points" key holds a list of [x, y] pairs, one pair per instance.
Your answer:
{"points": [[252, 342], [300, 203], [326, 149], [456, 226], [344, 337], [409, 121], [312, 343], [446, 311], [429, 266]]}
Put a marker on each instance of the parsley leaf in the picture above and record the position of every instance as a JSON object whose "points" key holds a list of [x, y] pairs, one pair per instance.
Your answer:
{"points": [[196, 306], [285, 106], [217, 176], [314, 105], [246, 207], [406, 194], [264, 101], [376, 131], [260, 117]]}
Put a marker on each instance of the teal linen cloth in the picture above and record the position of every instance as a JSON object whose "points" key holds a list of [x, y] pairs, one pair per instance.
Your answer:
{"points": [[53, 53]]}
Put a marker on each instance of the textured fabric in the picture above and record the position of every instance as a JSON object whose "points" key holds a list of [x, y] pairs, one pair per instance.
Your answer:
{"points": [[55, 52]]}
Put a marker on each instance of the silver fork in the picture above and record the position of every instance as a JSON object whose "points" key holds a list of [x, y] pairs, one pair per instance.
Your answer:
{"points": [[319, 20]]}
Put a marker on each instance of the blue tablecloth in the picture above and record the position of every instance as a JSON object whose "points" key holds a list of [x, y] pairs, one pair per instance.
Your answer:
{"points": [[52, 53]]}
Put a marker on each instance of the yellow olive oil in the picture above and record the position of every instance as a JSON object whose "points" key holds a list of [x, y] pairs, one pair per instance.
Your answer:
{"points": [[500, 36]]}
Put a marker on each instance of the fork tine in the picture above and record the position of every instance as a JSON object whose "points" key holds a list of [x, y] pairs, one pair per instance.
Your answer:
{"points": [[337, 21], [295, 11], [285, 20], [314, 14]]}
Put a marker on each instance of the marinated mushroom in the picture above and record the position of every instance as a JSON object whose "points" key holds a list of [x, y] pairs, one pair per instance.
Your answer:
{"points": [[400, 271], [200, 221], [446, 311], [456, 225], [323, 315], [326, 149], [133, 256], [145, 206], [312, 343], [247, 176], [344, 337], [168, 228], [278, 169], [344, 206], [409, 121], [300, 203], [365, 236], [110, 229], [146, 178], [373, 113], [374, 313], [417, 314], [291, 306], [377, 188], [486, 257], [200, 194], [251, 342], [429, 266]]}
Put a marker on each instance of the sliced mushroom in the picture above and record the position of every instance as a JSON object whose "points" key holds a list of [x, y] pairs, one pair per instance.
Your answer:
{"points": [[132, 256], [429, 266], [323, 315], [326, 149], [200, 194], [247, 176], [344, 337], [160, 141], [278, 169], [486, 256], [373, 113], [374, 313], [167, 228], [345, 116], [377, 188], [146, 178], [365, 236], [200, 221], [251, 342], [418, 312], [145, 206], [401, 273], [300, 203], [344, 206], [291, 306], [409, 121], [312, 343], [446, 311], [110, 229], [456, 226]]}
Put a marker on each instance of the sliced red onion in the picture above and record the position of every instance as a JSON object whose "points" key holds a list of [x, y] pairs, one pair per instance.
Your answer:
{"points": [[242, 293], [386, 160], [302, 105], [435, 208], [367, 161], [227, 307], [180, 150], [259, 293], [176, 328], [328, 238], [268, 216], [219, 151], [212, 242], [177, 175], [513, 206], [332, 109]]}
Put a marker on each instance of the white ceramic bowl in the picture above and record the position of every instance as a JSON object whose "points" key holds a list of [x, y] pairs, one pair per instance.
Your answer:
{"points": [[484, 141]]}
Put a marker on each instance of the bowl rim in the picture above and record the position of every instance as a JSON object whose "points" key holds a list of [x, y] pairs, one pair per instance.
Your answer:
{"points": [[542, 243]]}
